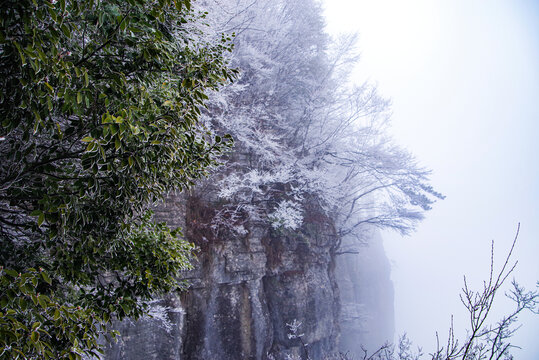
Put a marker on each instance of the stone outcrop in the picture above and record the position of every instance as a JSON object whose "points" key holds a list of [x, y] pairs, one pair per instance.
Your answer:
{"points": [[158, 337], [366, 294], [244, 290]]}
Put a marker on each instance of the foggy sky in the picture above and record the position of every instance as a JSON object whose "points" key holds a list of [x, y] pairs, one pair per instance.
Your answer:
{"points": [[464, 80]]}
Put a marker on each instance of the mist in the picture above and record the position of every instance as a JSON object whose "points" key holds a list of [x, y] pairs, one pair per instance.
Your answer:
{"points": [[269, 179], [464, 83]]}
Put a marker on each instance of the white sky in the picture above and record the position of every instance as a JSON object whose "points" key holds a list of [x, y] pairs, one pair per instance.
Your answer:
{"points": [[464, 79]]}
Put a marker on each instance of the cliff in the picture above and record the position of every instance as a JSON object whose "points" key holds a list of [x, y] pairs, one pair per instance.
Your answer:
{"points": [[367, 308], [311, 166], [244, 290]]}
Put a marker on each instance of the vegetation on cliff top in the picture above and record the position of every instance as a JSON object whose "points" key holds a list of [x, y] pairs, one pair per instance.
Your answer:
{"points": [[306, 137]]}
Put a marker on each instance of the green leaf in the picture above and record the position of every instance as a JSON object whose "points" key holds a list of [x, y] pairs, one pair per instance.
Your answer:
{"points": [[125, 308], [87, 139], [102, 152], [36, 125], [66, 31], [53, 15], [11, 273], [46, 277], [21, 54], [43, 301], [178, 4], [36, 212], [34, 336], [40, 219]]}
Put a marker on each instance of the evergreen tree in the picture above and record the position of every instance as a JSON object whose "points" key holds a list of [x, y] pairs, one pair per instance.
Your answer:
{"points": [[100, 117]]}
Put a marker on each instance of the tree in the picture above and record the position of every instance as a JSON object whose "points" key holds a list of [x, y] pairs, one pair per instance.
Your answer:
{"points": [[306, 137], [484, 340], [100, 117]]}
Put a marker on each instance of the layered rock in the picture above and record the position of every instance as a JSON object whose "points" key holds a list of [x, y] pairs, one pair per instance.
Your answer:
{"points": [[244, 290], [366, 289]]}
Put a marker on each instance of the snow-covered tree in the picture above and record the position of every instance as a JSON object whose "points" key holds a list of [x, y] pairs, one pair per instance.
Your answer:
{"points": [[304, 134]]}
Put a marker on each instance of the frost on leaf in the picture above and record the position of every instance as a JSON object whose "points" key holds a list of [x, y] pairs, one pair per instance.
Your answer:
{"points": [[160, 315], [288, 215], [301, 130], [294, 329]]}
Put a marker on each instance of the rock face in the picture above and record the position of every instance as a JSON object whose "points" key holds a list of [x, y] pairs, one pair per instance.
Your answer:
{"points": [[367, 309], [244, 290], [153, 338]]}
